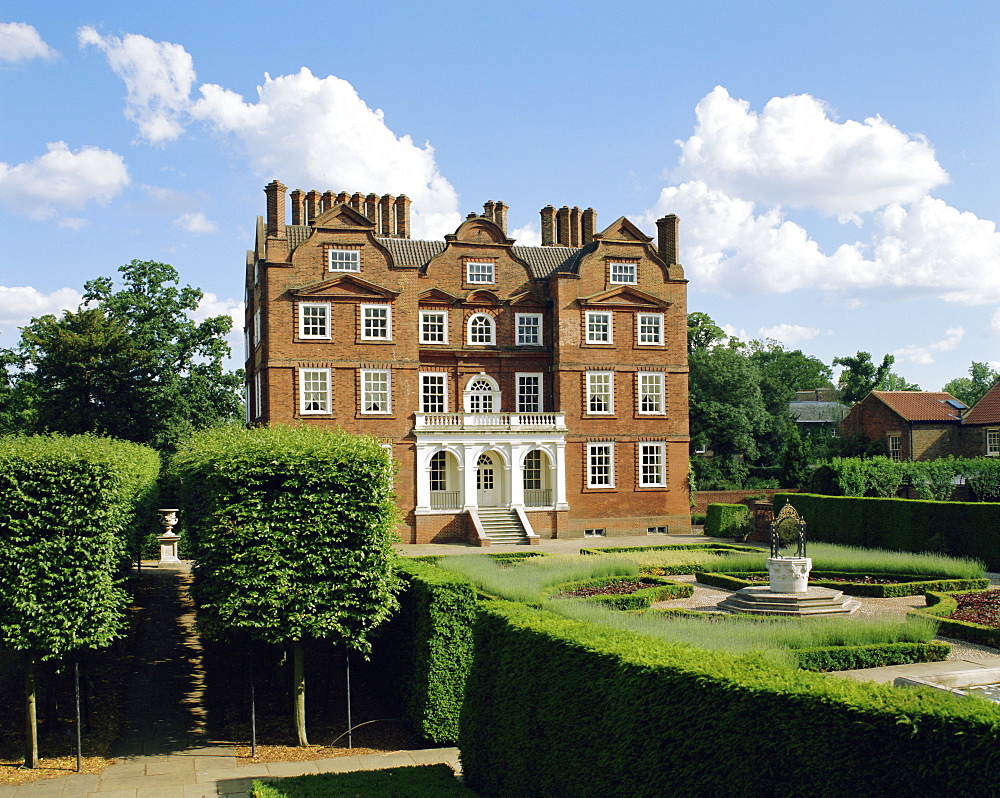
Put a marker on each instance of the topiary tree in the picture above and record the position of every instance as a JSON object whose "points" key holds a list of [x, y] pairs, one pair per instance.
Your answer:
{"points": [[67, 510], [291, 531]]}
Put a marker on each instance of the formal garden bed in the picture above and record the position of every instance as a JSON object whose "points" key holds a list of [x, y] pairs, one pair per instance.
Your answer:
{"points": [[881, 586], [623, 594], [972, 615]]}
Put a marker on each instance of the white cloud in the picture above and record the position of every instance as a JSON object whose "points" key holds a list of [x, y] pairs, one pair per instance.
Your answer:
{"points": [[789, 334], [196, 223], [793, 154], [21, 42], [924, 355], [527, 236], [211, 306], [62, 178], [336, 142], [158, 76], [20, 304]]}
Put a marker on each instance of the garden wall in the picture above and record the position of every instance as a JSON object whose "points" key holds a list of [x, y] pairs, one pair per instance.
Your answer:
{"points": [[703, 498], [959, 529], [558, 707]]}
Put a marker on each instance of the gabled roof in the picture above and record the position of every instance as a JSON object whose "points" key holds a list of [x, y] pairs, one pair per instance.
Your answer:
{"points": [[987, 409], [922, 405]]}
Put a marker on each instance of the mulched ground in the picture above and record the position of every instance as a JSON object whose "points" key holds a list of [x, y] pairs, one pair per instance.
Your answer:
{"points": [[982, 608], [622, 588]]}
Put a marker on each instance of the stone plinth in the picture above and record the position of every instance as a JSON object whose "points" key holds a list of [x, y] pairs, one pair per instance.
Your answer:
{"points": [[789, 574], [761, 600]]}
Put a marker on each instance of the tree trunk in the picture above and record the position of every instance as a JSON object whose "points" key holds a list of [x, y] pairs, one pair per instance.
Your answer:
{"points": [[30, 713], [299, 677]]}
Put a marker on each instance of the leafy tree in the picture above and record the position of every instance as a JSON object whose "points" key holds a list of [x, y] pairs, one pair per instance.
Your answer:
{"points": [[972, 388], [933, 480], [861, 376], [291, 529], [789, 370], [703, 333], [895, 382], [796, 460], [131, 363]]}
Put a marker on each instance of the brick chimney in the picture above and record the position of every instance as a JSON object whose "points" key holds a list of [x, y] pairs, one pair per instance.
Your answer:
{"points": [[666, 238], [312, 206], [587, 221], [402, 205], [275, 191], [548, 226], [298, 206]]}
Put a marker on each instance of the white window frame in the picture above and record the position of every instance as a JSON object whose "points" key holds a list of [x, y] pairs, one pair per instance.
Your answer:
{"points": [[993, 443], [639, 331], [895, 447], [659, 450], [529, 375], [424, 315], [642, 392], [367, 379], [592, 380], [439, 378], [589, 318], [303, 307], [307, 376], [597, 478], [255, 336], [258, 399], [365, 317], [627, 272], [529, 321], [343, 260], [479, 272], [492, 326]]}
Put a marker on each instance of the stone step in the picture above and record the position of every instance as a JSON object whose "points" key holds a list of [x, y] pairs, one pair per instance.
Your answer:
{"points": [[759, 600]]}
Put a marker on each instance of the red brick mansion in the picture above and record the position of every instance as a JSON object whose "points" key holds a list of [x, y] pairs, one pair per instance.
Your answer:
{"points": [[524, 391]]}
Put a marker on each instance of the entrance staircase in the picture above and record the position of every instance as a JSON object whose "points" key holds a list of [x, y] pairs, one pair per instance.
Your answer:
{"points": [[502, 526]]}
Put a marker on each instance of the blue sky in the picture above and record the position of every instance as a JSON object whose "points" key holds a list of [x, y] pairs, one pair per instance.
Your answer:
{"points": [[834, 165]]}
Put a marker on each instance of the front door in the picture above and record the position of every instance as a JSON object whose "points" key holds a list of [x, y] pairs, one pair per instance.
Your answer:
{"points": [[486, 495]]}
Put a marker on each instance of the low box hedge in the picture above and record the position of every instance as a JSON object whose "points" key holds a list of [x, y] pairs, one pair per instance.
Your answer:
{"points": [[845, 658], [658, 590], [419, 781], [674, 547], [560, 707], [919, 585], [940, 605]]}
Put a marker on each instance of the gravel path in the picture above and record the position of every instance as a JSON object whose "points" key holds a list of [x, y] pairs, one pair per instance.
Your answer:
{"points": [[707, 597]]}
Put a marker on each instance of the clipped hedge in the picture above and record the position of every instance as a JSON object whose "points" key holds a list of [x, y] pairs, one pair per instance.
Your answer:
{"points": [[727, 520], [559, 707], [658, 590], [919, 585], [428, 646], [844, 658], [723, 547], [963, 529], [67, 516], [940, 605]]}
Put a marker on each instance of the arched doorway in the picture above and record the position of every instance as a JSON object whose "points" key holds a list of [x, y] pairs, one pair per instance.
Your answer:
{"points": [[487, 488], [482, 395]]}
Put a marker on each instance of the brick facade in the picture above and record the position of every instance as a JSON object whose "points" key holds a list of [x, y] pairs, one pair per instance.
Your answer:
{"points": [[439, 349], [913, 425]]}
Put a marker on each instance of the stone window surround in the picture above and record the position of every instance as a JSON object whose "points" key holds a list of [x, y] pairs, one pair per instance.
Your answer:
{"points": [[661, 448]]}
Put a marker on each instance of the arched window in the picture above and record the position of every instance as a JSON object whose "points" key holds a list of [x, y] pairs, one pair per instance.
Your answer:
{"points": [[480, 396], [439, 471], [481, 330], [533, 470]]}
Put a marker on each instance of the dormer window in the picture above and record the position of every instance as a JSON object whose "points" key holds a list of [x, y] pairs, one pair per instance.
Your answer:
{"points": [[344, 260], [481, 273], [621, 273]]}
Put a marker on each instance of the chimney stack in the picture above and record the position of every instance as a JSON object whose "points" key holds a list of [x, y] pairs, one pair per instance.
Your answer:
{"points": [[587, 221], [312, 206], [666, 239], [548, 226], [298, 206], [402, 205], [275, 192]]}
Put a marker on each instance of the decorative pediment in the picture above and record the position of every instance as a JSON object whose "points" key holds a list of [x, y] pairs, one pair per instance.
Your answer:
{"points": [[623, 230], [527, 299], [341, 216], [436, 296], [344, 287], [479, 230], [482, 298], [623, 297]]}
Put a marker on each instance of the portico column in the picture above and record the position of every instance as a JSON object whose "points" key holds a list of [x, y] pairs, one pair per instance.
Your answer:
{"points": [[470, 498], [517, 476], [560, 476], [423, 479]]}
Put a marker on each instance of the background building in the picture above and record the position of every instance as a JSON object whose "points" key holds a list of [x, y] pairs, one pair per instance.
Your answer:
{"points": [[523, 391]]}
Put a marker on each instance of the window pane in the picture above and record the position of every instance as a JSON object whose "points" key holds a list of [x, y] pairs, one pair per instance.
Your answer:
{"points": [[481, 330], [375, 392], [376, 322], [622, 272], [314, 321], [529, 330], [439, 471], [432, 328], [529, 399], [599, 392], [650, 393], [599, 465], [432, 391], [315, 391], [651, 464], [345, 260], [533, 471], [598, 328], [650, 329], [479, 272]]}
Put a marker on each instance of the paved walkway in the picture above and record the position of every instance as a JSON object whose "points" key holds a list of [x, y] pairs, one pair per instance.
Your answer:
{"points": [[164, 751]]}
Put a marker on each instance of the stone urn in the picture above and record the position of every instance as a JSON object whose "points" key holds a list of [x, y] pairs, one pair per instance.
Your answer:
{"points": [[789, 574], [168, 540]]}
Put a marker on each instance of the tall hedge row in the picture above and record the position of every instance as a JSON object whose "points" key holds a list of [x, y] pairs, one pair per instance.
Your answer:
{"points": [[426, 649], [67, 512], [559, 707], [963, 529], [727, 520]]}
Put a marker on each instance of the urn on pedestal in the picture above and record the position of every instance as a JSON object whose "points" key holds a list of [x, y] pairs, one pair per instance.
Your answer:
{"points": [[169, 539]]}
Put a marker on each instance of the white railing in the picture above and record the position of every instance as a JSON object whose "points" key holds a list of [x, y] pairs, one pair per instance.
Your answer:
{"points": [[445, 500], [503, 421], [538, 497]]}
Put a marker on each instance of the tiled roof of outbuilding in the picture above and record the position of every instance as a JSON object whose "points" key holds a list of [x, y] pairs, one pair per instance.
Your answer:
{"points": [[987, 409], [922, 405]]}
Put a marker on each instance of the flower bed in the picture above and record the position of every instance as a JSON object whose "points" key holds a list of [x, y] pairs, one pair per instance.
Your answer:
{"points": [[943, 606], [902, 584], [628, 593]]}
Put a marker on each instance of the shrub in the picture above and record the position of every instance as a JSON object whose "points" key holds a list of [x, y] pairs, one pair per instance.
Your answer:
{"points": [[655, 589], [727, 520], [582, 695], [420, 781]]}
